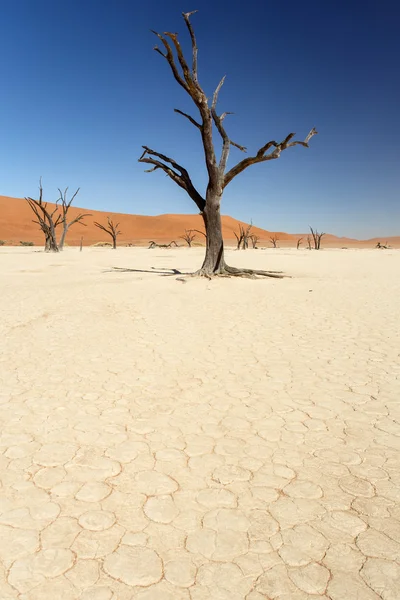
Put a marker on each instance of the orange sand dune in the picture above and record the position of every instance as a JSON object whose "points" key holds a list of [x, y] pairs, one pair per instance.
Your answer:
{"points": [[16, 225]]}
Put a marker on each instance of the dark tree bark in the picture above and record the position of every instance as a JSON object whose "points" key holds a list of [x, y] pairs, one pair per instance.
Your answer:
{"points": [[317, 238], [46, 219], [65, 204], [299, 243], [218, 178], [112, 229]]}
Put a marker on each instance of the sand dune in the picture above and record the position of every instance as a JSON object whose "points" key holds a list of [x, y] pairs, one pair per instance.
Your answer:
{"points": [[16, 225]]}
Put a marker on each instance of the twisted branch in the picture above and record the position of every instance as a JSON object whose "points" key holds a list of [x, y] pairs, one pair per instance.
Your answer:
{"points": [[261, 155], [178, 174]]}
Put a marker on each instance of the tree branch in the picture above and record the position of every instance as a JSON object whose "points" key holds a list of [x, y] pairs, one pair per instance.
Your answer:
{"points": [[261, 155], [190, 84], [193, 121], [181, 177], [226, 142], [170, 59], [187, 16]]}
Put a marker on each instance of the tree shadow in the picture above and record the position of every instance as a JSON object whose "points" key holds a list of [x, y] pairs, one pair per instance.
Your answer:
{"points": [[160, 271]]}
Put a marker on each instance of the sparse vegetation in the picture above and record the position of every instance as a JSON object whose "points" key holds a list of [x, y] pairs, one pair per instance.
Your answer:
{"points": [[102, 245], [218, 177], [27, 243], [155, 245], [2, 242]]}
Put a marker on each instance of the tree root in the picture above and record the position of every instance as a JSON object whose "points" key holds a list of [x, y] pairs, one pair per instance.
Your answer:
{"points": [[227, 271]]}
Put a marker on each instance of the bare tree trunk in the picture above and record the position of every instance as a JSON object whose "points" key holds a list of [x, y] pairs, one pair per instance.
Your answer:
{"points": [[62, 238], [114, 239], [214, 262]]}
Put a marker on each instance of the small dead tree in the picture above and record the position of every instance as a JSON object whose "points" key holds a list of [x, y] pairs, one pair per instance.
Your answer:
{"points": [[111, 228], [188, 236], [299, 243], [209, 204], [274, 240], [317, 237], [254, 240], [65, 205], [243, 236], [309, 242], [47, 219]]}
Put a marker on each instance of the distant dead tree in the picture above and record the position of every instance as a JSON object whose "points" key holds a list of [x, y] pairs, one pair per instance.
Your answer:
{"points": [[47, 219], [65, 205], [274, 240], [309, 242], [299, 243], [188, 236], [209, 204], [317, 238], [155, 245], [254, 240], [111, 228], [243, 236]]}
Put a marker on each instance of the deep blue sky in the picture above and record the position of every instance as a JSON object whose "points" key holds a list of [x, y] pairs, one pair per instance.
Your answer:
{"points": [[82, 90]]}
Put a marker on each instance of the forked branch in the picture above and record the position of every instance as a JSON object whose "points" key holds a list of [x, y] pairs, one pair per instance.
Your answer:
{"points": [[176, 172], [65, 205], [263, 154], [111, 228]]}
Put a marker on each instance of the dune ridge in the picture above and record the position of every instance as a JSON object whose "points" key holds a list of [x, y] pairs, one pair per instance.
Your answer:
{"points": [[16, 225]]}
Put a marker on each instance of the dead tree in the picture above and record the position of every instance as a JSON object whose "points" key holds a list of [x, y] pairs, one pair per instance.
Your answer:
{"points": [[274, 240], [254, 240], [111, 228], [218, 177], [65, 205], [188, 236], [316, 238], [155, 245], [309, 242], [47, 219], [243, 236], [299, 243]]}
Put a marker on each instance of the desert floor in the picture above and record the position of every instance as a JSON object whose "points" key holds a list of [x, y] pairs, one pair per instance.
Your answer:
{"points": [[199, 440]]}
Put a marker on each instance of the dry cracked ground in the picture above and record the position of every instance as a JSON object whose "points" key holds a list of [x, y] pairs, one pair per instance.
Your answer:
{"points": [[222, 440]]}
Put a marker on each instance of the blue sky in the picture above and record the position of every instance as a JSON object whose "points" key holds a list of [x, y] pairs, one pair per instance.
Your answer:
{"points": [[82, 91]]}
